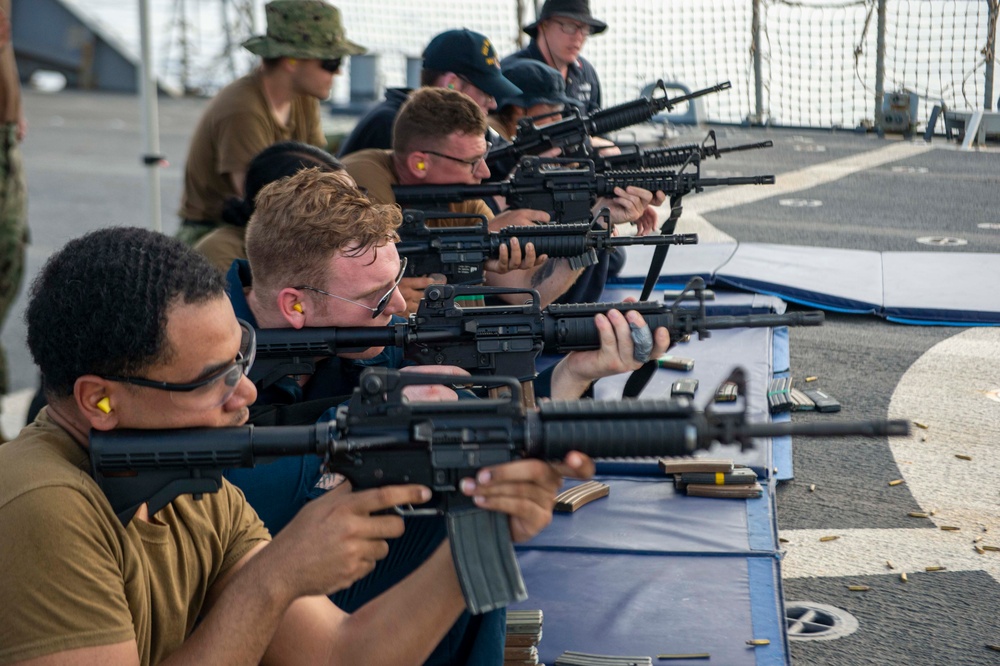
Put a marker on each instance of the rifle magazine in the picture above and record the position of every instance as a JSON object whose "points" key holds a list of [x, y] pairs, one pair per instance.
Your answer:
{"points": [[484, 559]]}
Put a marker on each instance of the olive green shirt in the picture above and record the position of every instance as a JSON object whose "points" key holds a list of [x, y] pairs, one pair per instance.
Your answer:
{"points": [[237, 125], [71, 576]]}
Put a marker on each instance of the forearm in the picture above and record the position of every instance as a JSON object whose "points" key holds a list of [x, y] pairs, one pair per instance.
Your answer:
{"points": [[404, 624], [242, 621], [567, 385], [417, 613]]}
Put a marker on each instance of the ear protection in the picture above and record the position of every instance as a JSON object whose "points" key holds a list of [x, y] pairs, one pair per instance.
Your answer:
{"points": [[297, 307], [421, 166], [451, 86], [104, 405]]}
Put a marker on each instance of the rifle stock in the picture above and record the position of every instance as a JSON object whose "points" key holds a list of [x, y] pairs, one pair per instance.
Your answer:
{"points": [[381, 439]]}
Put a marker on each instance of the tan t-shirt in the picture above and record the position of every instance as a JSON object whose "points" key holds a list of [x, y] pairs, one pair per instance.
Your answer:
{"points": [[373, 170], [73, 577], [220, 246], [237, 125]]}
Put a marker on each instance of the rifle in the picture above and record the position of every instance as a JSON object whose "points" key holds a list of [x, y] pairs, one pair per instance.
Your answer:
{"points": [[572, 135], [567, 189], [381, 439], [673, 156], [458, 253], [497, 339]]}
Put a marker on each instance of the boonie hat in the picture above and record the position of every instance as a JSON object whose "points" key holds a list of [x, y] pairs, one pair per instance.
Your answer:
{"points": [[539, 84], [578, 10], [469, 54], [302, 29]]}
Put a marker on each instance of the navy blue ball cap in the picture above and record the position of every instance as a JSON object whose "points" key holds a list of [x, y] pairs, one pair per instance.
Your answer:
{"points": [[471, 55], [539, 84]]}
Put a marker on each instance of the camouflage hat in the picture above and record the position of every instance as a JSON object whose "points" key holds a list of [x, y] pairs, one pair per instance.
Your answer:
{"points": [[302, 29]]}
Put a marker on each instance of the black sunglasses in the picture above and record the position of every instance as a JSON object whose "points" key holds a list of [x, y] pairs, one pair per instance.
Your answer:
{"points": [[331, 65]]}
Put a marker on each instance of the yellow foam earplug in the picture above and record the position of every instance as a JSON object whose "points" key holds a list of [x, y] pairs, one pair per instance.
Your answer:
{"points": [[104, 405], [297, 307], [421, 166]]}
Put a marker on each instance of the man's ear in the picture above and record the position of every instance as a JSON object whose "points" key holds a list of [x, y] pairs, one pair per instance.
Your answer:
{"points": [[96, 398], [416, 164], [449, 80], [293, 307]]}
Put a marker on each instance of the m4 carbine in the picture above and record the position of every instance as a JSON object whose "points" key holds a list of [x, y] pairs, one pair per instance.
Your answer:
{"points": [[458, 253], [633, 157], [381, 439], [496, 339], [572, 135], [566, 189]]}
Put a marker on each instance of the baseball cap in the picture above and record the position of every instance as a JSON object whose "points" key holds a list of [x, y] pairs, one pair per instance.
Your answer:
{"points": [[539, 84], [472, 55]]}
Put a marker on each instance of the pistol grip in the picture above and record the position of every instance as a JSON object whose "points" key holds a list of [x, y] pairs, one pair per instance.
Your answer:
{"points": [[484, 559]]}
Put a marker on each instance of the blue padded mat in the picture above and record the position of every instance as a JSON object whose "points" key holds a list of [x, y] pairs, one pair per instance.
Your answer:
{"points": [[910, 287], [652, 604], [682, 263], [935, 287], [646, 514], [842, 280]]}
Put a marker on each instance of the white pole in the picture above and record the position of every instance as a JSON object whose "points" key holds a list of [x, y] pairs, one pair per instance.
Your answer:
{"points": [[151, 136]]}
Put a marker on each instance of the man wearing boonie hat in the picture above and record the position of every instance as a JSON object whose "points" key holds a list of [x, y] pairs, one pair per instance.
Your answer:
{"points": [[301, 51], [543, 93], [460, 60], [557, 38]]}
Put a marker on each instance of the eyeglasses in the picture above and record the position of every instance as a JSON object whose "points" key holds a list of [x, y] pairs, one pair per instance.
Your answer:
{"points": [[382, 302], [212, 391], [331, 65], [573, 28], [473, 163]]}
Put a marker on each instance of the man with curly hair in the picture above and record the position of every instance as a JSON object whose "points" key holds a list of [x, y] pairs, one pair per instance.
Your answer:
{"points": [[133, 330]]}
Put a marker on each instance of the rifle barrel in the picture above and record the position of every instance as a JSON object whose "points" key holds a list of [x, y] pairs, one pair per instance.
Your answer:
{"points": [[671, 239]]}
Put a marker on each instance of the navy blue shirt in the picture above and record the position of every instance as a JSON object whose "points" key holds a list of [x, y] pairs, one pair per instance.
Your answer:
{"points": [[582, 82], [374, 130], [277, 491]]}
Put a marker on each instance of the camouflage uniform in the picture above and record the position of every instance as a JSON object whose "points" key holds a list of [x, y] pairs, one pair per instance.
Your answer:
{"points": [[13, 188], [303, 29], [13, 229]]}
